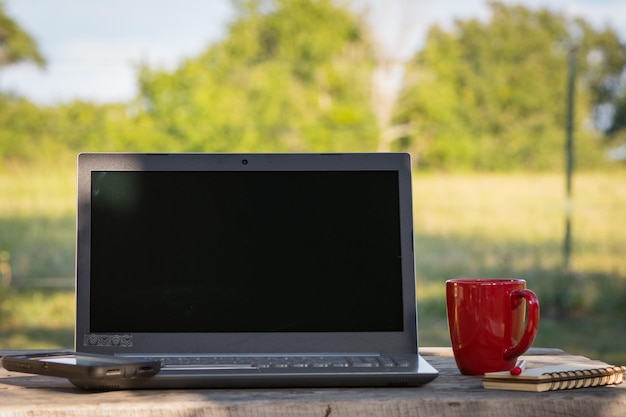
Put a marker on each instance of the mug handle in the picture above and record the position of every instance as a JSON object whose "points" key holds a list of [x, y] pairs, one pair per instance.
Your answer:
{"points": [[532, 322]]}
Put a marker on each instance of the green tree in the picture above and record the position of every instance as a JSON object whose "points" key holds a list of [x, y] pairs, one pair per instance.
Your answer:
{"points": [[20, 128], [15, 44], [291, 75], [491, 95], [32, 133], [17, 116]]}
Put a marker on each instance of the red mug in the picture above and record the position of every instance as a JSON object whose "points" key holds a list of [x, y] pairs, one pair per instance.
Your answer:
{"points": [[489, 327]]}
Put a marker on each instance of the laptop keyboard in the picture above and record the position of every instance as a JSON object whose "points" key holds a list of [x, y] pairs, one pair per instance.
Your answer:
{"points": [[263, 362]]}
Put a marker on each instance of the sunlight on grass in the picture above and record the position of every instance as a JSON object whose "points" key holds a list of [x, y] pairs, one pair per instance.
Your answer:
{"points": [[37, 222], [46, 192], [519, 219], [512, 225], [480, 225], [37, 320]]}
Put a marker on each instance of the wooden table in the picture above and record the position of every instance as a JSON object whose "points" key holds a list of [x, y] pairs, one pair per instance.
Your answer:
{"points": [[451, 394]]}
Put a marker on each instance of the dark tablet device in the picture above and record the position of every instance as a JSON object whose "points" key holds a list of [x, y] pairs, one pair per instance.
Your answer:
{"points": [[89, 371]]}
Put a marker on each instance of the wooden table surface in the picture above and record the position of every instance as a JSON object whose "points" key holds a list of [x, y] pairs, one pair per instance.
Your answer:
{"points": [[451, 394]]}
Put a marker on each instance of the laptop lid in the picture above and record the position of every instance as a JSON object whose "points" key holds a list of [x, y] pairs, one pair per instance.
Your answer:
{"points": [[254, 253]]}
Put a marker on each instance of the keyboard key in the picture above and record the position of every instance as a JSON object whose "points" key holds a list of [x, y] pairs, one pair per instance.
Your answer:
{"points": [[283, 362]]}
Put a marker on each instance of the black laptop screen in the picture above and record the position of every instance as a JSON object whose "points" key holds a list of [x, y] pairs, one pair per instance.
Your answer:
{"points": [[194, 251]]}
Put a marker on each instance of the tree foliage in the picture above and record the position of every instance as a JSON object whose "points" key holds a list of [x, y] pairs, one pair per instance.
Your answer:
{"points": [[492, 95], [296, 75], [15, 44], [32, 133], [291, 75]]}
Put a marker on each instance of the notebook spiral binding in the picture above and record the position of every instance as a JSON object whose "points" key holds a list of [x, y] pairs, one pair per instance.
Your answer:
{"points": [[587, 378]]}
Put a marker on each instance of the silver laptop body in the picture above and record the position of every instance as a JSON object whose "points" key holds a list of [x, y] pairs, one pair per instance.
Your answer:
{"points": [[250, 270]]}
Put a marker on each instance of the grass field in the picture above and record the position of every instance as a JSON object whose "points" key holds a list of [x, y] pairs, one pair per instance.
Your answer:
{"points": [[514, 226], [465, 226]]}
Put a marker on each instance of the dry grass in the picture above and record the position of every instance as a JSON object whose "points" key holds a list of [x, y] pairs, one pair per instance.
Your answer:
{"points": [[514, 226], [481, 225]]}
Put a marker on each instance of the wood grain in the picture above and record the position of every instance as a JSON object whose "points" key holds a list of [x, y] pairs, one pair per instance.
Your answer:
{"points": [[451, 394]]}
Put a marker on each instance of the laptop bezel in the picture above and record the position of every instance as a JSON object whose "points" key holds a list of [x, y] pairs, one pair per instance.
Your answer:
{"points": [[401, 342]]}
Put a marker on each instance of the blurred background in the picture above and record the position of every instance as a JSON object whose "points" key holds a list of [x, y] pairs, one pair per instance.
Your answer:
{"points": [[514, 114]]}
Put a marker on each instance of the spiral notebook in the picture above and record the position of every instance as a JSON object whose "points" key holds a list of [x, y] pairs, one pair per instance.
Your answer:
{"points": [[557, 377]]}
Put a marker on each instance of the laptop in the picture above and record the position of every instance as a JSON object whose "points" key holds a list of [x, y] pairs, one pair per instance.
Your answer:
{"points": [[250, 270]]}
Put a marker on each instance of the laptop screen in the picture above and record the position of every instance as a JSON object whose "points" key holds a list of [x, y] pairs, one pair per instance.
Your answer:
{"points": [[234, 251]]}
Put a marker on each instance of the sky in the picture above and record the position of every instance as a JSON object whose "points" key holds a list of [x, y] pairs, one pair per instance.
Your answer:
{"points": [[93, 47]]}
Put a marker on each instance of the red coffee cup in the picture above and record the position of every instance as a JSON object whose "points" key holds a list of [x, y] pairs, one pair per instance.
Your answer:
{"points": [[489, 327]]}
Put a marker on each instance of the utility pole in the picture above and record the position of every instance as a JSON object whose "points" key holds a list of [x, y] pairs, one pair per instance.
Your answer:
{"points": [[569, 155]]}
